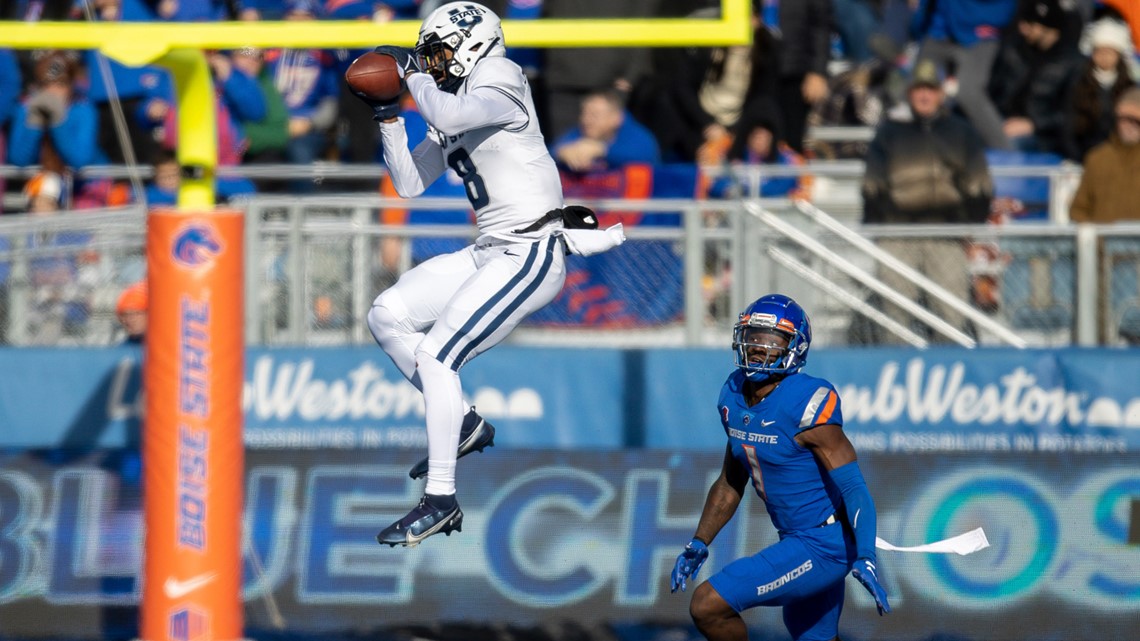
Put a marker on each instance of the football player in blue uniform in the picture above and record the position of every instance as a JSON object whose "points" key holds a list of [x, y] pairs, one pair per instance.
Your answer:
{"points": [[785, 435]]}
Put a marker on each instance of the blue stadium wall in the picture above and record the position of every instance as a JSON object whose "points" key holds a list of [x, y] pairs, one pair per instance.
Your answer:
{"points": [[602, 461]]}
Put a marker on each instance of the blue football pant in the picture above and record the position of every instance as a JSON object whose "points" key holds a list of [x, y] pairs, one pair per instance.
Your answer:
{"points": [[803, 573]]}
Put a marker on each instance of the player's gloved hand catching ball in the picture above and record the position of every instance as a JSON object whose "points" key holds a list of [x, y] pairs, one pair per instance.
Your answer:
{"points": [[381, 109], [864, 571], [689, 563], [406, 62]]}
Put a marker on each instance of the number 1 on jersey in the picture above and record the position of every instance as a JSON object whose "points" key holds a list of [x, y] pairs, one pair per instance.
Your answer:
{"points": [[460, 161], [754, 468]]}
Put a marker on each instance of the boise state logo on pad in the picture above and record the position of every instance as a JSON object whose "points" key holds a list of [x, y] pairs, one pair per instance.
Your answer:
{"points": [[195, 245]]}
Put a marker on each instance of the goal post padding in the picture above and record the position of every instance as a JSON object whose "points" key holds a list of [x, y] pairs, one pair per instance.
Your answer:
{"points": [[193, 475]]}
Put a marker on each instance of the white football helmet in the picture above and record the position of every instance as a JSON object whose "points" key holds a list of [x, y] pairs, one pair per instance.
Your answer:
{"points": [[456, 36]]}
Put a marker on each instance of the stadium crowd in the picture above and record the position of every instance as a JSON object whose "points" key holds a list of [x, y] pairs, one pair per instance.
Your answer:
{"points": [[1037, 76]]}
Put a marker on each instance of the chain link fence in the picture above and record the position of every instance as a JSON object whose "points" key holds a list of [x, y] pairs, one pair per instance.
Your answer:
{"points": [[61, 275]]}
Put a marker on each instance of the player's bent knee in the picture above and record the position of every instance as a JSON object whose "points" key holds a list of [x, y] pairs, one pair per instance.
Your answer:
{"points": [[707, 606], [383, 323], [427, 357]]}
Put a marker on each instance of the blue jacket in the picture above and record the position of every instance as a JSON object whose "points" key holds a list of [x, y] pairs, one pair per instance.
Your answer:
{"points": [[9, 84], [962, 21], [304, 77], [74, 138], [633, 143]]}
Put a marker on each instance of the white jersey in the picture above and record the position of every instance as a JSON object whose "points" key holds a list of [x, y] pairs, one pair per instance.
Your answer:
{"points": [[488, 133]]}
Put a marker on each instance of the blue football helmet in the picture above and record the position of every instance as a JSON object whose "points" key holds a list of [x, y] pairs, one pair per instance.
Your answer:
{"points": [[760, 358]]}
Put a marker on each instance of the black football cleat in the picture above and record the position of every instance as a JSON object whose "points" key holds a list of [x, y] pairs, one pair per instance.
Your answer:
{"points": [[434, 514], [475, 435]]}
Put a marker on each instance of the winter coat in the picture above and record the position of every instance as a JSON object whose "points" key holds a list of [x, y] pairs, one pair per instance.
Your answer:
{"points": [[1107, 192], [805, 37], [1034, 84], [926, 171]]}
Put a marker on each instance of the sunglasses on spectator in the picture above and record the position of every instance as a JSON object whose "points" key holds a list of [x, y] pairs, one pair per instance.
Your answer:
{"points": [[1133, 120]]}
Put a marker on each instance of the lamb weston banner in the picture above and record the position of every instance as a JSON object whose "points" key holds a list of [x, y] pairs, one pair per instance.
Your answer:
{"points": [[894, 400]]}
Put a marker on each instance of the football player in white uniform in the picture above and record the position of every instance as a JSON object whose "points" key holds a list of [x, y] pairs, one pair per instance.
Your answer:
{"points": [[451, 308]]}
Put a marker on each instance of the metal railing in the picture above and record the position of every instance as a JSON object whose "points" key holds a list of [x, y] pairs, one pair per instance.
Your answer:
{"points": [[314, 264]]}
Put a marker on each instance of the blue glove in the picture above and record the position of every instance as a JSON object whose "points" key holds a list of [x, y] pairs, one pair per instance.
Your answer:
{"points": [[689, 563], [406, 62], [864, 571]]}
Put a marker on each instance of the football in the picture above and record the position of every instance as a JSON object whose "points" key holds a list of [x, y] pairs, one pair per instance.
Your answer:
{"points": [[375, 76]]}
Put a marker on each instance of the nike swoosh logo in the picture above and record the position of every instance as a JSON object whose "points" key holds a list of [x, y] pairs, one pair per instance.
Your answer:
{"points": [[766, 423], [176, 589]]}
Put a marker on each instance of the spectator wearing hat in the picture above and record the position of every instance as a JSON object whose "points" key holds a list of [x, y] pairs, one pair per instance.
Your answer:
{"points": [[1107, 192], [44, 192], [1034, 71], [131, 310], [1107, 74], [965, 35], [928, 169]]}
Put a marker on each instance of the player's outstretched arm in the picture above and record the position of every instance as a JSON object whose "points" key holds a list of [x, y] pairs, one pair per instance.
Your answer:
{"points": [[860, 509], [835, 453], [723, 499]]}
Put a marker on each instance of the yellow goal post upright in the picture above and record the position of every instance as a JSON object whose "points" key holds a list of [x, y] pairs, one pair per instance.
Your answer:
{"points": [[191, 584]]}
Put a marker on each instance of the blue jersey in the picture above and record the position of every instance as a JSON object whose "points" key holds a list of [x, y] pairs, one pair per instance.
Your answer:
{"points": [[763, 438]]}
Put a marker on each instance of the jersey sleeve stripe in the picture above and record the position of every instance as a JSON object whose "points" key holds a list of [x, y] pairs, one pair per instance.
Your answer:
{"points": [[828, 408], [813, 405], [520, 106]]}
